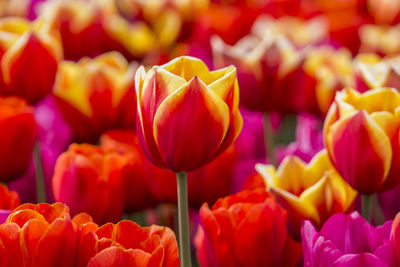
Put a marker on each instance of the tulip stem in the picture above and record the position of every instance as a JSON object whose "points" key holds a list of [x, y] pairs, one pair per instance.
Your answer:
{"points": [[269, 140], [183, 219], [366, 207], [40, 187]]}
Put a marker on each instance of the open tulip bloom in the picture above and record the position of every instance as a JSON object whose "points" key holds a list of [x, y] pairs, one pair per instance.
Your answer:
{"points": [[186, 117]]}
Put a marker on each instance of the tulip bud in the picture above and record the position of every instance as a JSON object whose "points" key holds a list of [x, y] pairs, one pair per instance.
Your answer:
{"points": [[361, 134], [29, 55], [96, 95], [308, 192], [86, 176], [18, 132], [187, 115]]}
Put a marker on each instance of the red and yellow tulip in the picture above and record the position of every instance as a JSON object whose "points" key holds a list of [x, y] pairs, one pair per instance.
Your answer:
{"points": [[361, 134], [185, 93], [29, 55], [96, 95], [313, 191]]}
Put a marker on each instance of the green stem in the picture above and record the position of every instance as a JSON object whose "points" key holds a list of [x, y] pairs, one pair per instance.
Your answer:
{"points": [[366, 207], [269, 139], [183, 218], [379, 217], [40, 187]]}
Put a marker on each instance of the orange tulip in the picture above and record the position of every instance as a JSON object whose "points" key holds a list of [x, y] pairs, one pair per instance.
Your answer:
{"points": [[187, 115], [361, 134], [29, 54], [89, 179], [126, 244], [38, 235], [313, 191], [17, 135], [96, 95]]}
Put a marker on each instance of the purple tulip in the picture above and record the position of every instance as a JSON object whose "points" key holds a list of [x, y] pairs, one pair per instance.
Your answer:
{"points": [[348, 240]]}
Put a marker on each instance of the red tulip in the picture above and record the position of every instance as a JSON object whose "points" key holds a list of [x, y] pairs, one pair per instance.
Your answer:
{"points": [[89, 179], [127, 244], [246, 229], [17, 135]]}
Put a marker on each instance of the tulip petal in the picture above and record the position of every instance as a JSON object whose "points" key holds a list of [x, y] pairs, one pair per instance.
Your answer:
{"points": [[359, 260], [190, 125], [115, 257], [361, 151], [152, 89]]}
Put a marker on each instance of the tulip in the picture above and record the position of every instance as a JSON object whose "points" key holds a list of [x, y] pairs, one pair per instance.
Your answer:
{"points": [[373, 72], [361, 134], [90, 28], [28, 46], [126, 244], [187, 93], [313, 191], [89, 179], [96, 95], [348, 240], [298, 31], [381, 39], [246, 229], [18, 132], [38, 235]]}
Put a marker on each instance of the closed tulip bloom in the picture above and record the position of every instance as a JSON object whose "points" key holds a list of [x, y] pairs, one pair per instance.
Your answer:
{"points": [[126, 244], [17, 136], [89, 179], [38, 235], [187, 115], [313, 191], [29, 55], [348, 241], [95, 95], [245, 229], [361, 134]]}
